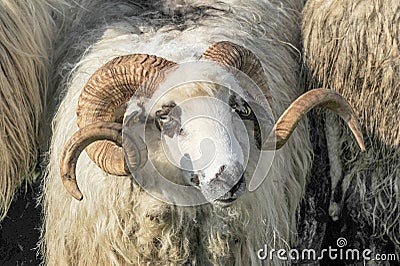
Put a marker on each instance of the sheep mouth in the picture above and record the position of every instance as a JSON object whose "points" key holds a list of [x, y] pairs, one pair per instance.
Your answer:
{"points": [[233, 194]]}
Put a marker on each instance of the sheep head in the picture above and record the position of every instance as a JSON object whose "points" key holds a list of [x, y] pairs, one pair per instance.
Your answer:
{"points": [[106, 95], [197, 126]]}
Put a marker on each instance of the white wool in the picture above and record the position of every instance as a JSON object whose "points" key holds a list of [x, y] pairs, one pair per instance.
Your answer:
{"points": [[117, 222]]}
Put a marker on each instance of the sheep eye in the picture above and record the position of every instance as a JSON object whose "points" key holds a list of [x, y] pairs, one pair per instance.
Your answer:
{"points": [[164, 119], [168, 124], [246, 111], [242, 109]]}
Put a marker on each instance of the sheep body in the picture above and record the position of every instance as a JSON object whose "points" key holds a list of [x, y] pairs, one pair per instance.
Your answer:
{"points": [[353, 48], [118, 222], [26, 34]]}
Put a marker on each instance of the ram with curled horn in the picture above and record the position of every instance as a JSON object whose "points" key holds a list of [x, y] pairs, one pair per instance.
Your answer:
{"points": [[116, 82], [183, 162]]}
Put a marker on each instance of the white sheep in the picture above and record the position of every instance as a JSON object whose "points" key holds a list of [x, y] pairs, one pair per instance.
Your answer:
{"points": [[123, 48]]}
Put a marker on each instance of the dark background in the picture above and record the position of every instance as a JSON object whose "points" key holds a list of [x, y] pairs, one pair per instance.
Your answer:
{"points": [[20, 230]]}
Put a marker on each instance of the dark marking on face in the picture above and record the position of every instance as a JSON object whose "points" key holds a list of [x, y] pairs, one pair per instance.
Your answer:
{"points": [[195, 179], [168, 119], [221, 169]]}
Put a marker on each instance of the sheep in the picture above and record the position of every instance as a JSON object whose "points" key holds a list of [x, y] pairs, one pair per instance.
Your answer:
{"points": [[116, 221], [27, 30], [352, 47]]}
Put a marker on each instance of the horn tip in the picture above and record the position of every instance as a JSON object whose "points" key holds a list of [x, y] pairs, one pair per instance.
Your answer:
{"points": [[72, 188], [76, 193]]}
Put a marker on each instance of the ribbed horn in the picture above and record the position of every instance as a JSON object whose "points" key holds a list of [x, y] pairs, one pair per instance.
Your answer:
{"points": [[75, 145], [239, 57], [106, 91], [323, 98]]}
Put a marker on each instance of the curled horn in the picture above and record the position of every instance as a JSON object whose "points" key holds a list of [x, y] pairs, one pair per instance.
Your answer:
{"points": [[241, 58], [109, 88], [233, 55], [79, 141], [322, 98]]}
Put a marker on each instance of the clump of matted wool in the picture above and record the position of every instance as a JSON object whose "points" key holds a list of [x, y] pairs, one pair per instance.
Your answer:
{"points": [[26, 31], [353, 47]]}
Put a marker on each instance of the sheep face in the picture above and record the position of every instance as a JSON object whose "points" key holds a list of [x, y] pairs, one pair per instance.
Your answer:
{"points": [[198, 127]]}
